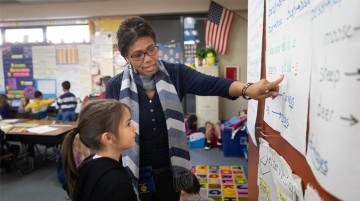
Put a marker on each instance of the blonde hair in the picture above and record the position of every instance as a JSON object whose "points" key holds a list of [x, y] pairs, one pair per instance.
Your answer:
{"points": [[24, 101]]}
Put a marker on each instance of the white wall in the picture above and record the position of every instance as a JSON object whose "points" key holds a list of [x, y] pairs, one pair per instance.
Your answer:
{"points": [[237, 56], [26, 11]]}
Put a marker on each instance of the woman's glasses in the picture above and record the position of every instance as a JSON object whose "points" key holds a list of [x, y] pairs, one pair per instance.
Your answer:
{"points": [[138, 56]]}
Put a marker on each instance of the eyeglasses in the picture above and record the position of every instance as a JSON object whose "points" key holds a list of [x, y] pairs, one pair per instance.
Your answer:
{"points": [[138, 56]]}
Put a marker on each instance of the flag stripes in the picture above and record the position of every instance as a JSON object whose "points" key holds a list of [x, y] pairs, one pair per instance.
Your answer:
{"points": [[218, 27]]}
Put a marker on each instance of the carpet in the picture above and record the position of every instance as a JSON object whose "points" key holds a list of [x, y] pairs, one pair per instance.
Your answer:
{"points": [[222, 183]]}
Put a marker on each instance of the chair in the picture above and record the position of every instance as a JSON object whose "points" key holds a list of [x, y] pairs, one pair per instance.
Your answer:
{"points": [[40, 114], [24, 115], [8, 154]]}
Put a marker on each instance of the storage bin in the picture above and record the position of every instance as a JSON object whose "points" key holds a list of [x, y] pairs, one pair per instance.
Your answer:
{"points": [[234, 147], [196, 140]]}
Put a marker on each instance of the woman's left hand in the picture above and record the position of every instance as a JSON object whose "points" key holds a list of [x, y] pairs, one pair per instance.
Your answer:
{"points": [[264, 89]]}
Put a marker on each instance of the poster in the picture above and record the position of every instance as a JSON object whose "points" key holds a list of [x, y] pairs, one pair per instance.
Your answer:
{"points": [[254, 49], [333, 142], [67, 55], [275, 178], [170, 51], [48, 75], [44, 61], [2, 78], [288, 53], [18, 69]]}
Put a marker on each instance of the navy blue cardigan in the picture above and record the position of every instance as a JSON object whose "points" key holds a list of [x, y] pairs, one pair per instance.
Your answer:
{"points": [[154, 148]]}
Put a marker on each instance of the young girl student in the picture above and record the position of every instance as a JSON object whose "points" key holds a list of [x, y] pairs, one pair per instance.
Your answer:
{"points": [[105, 127]]}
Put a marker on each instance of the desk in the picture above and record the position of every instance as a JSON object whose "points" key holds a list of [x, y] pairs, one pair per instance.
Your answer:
{"points": [[19, 133]]}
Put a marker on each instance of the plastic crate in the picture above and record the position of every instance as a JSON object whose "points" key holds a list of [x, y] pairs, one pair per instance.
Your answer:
{"points": [[196, 140], [234, 147]]}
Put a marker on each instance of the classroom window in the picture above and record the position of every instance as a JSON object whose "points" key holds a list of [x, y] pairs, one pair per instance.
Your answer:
{"points": [[32, 35], [68, 34]]}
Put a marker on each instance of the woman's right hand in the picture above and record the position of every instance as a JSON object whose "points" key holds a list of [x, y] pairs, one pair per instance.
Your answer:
{"points": [[264, 89]]}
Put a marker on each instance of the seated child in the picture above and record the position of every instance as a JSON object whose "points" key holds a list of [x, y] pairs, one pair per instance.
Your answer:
{"points": [[210, 131], [23, 103], [4, 107], [191, 125], [39, 105]]}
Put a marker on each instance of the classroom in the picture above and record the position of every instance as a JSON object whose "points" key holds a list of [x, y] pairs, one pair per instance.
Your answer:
{"points": [[89, 53], [245, 145]]}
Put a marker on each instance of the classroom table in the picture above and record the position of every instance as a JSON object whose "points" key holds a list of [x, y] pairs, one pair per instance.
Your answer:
{"points": [[20, 133]]}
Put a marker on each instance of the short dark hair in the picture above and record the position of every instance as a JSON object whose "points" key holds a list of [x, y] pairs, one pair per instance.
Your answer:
{"points": [[192, 122], [104, 80], [130, 30], [195, 187], [66, 85], [3, 99], [37, 94]]}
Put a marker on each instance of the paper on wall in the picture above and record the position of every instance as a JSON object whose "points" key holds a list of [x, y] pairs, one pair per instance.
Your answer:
{"points": [[275, 178], [311, 194], [254, 49], [333, 142], [288, 52]]}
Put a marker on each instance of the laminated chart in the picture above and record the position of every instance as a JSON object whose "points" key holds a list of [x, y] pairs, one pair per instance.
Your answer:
{"points": [[18, 70]]}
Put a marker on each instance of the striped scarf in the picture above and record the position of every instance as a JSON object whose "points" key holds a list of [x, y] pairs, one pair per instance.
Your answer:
{"points": [[178, 148]]}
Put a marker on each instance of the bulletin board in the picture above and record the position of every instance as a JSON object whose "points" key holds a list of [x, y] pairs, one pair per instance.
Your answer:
{"points": [[170, 52], [26, 68], [313, 124], [18, 69]]}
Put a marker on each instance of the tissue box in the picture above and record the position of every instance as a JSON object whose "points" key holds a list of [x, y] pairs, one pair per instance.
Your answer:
{"points": [[196, 140]]}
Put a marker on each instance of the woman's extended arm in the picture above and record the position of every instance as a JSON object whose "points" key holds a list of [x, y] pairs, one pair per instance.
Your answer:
{"points": [[258, 91]]}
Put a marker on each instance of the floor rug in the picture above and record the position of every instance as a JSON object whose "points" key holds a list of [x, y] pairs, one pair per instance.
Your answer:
{"points": [[222, 183]]}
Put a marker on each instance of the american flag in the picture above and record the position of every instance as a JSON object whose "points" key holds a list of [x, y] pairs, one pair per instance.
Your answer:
{"points": [[218, 27]]}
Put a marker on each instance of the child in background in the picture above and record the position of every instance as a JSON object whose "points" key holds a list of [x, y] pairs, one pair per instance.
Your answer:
{"points": [[67, 103], [80, 153], [4, 107], [193, 193], [39, 105], [103, 81], [23, 103], [191, 125], [210, 131], [105, 127]]}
